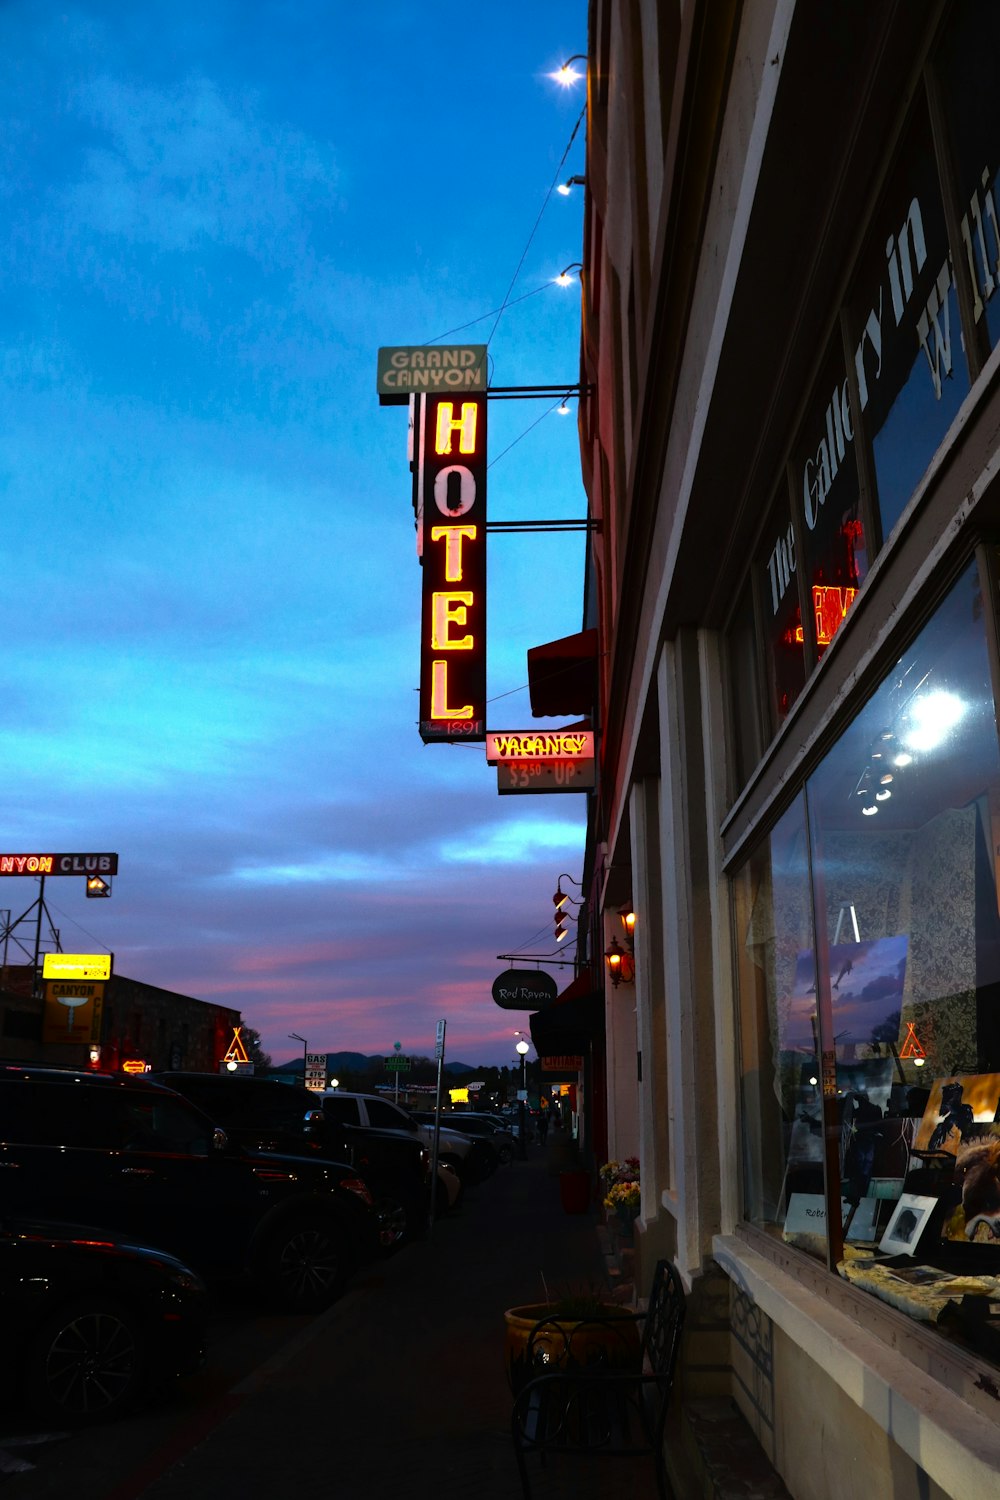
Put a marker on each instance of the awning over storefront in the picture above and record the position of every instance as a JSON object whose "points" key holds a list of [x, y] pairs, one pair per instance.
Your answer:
{"points": [[562, 675], [568, 1025]]}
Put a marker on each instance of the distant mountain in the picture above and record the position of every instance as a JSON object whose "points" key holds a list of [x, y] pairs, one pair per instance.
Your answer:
{"points": [[358, 1062]]}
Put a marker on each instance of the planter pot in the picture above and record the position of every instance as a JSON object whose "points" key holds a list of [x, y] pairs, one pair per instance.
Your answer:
{"points": [[575, 1191], [615, 1346], [625, 1221]]}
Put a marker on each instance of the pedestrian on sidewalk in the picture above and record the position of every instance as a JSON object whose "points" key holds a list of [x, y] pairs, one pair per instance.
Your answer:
{"points": [[543, 1126]]}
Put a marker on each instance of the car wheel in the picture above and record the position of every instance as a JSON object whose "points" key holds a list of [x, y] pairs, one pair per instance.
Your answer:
{"points": [[86, 1362], [506, 1155], [394, 1218], [303, 1264]]}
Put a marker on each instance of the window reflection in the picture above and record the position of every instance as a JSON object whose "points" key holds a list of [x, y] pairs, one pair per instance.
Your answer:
{"points": [[971, 100], [783, 1139], [892, 1016], [908, 358], [825, 476]]}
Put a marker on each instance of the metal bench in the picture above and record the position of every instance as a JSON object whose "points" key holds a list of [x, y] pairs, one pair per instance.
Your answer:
{"points": [[597, 1396]]}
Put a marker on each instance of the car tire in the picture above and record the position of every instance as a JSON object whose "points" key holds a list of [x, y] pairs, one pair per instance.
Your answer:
{"points": [[86, 1362], [506, 1155], [399, 1216], [303, 1263]]}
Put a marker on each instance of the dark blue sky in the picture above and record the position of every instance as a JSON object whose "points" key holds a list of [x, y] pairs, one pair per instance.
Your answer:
{"points": [[214, 216]]}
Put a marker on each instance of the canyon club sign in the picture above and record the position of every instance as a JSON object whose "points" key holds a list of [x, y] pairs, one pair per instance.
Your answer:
{"points": [[58, 864]]}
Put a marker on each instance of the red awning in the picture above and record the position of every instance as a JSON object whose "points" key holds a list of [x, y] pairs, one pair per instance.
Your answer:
{"points": [[562, 675], [569, 1023]]}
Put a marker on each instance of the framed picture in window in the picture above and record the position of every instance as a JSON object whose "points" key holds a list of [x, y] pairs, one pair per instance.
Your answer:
{"points": [[908, 1222]]}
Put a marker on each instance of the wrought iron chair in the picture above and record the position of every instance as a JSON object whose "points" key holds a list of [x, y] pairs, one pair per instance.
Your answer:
{"points": [[600, 1394]]}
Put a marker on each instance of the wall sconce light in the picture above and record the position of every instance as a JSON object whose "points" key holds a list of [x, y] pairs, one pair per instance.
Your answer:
{"points": [[565, 188], [567, 74], [621, 965], [628, 919], [564, 278], [561, 897]]}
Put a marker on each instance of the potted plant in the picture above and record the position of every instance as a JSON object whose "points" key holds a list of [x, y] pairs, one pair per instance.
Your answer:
{"points": [[622, 1192], [579, 1323]]}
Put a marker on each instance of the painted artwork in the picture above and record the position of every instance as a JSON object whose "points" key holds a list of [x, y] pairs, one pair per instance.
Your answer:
{"points": [[977, 1174], [866, 982], [866, 985], [958, 1108]]}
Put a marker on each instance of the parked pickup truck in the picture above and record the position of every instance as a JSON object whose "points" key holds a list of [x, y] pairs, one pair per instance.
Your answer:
{"points": [[472, 1159]]}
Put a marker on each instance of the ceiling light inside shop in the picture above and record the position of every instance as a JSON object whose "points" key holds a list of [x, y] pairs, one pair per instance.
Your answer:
{"points": [[932, 718], [870, 810], [902, 759], [883, 796]]}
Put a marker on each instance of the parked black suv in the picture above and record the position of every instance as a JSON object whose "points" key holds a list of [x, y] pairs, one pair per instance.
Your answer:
{"points": [[127, 1155], [90, 1321], [263, 1114]]}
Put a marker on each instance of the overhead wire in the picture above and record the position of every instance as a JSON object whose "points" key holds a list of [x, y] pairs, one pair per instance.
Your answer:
{"points": [[508, 301], [534, 229], [492, 312]]}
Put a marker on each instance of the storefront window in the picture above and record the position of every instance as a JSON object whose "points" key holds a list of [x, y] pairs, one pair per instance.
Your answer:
{"points": [[825, 480], [908, 356], [783, 1139], [971, 107], [902, 983]]}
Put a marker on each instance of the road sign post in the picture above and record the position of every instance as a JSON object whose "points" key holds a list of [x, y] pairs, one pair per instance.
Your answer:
{"points": [[439, 1054]]}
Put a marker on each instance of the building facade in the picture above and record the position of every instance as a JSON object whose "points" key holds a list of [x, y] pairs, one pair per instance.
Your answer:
{"points": [[131, 1023], [790, 436]]}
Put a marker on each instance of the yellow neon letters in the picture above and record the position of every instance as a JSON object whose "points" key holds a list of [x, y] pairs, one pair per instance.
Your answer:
{"points": [[439, 695], [453, 537], [449, 610], [465, 426]]}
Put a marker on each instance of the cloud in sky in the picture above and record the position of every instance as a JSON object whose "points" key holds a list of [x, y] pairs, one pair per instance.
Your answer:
{"points": [[183, 167], [213, 218]]}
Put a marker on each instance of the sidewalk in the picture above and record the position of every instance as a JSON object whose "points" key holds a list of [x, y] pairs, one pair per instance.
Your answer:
{"points": [[400, 1388]]}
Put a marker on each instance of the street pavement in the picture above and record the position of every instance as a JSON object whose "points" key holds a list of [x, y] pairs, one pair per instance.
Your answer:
{"points": [[400, 1388]]}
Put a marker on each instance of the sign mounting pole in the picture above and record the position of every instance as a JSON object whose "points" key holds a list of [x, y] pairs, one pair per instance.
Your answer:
{"points": [[439, 1054]]}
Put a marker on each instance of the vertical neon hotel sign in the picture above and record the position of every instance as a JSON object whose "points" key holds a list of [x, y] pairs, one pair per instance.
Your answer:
{"points": [[450, 475]]}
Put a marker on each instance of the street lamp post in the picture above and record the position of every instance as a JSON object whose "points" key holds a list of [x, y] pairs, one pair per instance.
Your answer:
{"points": [[522, 1049], [293, 1036]]}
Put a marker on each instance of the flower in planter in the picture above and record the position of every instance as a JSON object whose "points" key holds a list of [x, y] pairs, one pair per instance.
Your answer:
{"points": [[623, 1198], [619, 1171]]}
